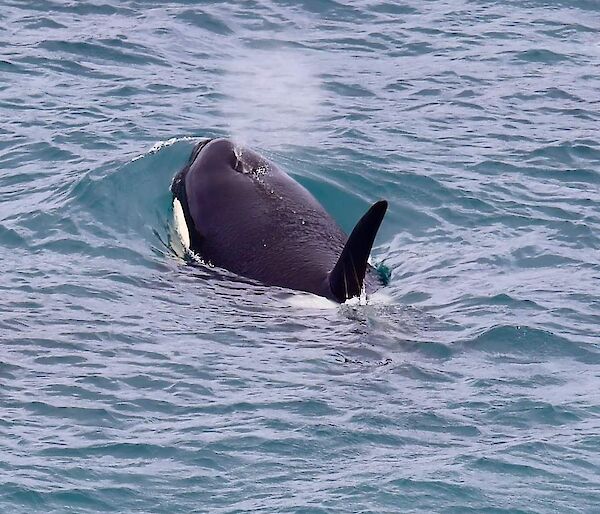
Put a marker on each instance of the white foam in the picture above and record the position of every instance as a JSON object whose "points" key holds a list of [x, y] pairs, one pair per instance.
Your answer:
{"points": [[380, 297], [301, 300], [163, 144], [310, 301]]}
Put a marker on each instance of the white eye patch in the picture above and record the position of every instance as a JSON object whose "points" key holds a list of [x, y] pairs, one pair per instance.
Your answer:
{"points": [[180, 224]]}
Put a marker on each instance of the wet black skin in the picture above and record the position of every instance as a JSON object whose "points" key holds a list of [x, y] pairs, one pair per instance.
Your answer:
{"points": [[246, 215]]}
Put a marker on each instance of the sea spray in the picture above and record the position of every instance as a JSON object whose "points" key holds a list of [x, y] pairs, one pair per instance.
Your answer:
{"points": [[271, 96]]}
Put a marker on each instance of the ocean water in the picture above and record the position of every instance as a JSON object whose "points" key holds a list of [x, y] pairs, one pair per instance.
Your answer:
{"points": [[131, 381]]}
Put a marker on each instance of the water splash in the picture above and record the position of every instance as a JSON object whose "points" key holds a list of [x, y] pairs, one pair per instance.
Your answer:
{"points": [[159, 145], [238, 151]]}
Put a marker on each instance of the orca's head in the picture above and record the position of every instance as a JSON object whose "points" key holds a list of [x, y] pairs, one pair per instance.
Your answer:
{"points": [[197, 149], [222, 155]]}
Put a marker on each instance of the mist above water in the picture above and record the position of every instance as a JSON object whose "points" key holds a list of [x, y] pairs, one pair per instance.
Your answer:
{"points": [[273, 96]]}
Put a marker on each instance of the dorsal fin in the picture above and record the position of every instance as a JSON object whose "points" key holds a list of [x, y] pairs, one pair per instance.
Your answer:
{"points": [[347, 277]]}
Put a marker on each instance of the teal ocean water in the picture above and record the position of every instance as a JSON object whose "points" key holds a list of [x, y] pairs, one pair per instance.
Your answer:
{"points": [[131, 381]]}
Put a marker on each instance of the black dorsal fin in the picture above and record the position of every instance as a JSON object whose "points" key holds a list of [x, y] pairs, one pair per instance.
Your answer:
{"points": [[347, 277]]}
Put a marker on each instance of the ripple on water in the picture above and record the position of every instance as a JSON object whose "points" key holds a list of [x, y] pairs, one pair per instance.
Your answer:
{"points": [[133, 381]]}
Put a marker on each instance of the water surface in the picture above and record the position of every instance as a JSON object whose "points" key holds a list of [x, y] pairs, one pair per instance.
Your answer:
{"points": [[133, 382]]}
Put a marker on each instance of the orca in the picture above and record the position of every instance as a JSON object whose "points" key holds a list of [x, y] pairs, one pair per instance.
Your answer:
{"points": [[239, 211]]}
